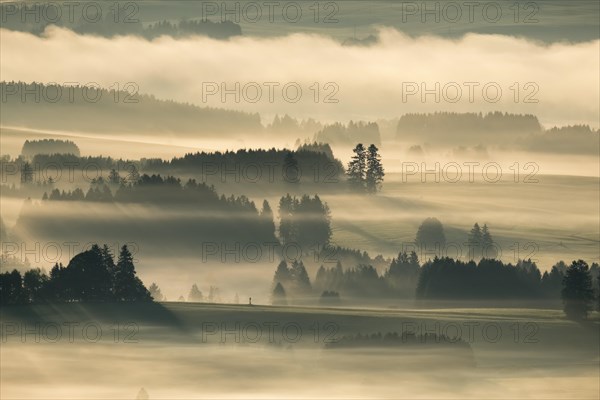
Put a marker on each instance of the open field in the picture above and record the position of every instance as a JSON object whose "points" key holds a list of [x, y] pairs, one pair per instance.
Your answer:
{"points": [[193, 351]]}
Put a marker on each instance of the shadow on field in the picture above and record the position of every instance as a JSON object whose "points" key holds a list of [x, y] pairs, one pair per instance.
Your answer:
{"points": [[151, 313]]}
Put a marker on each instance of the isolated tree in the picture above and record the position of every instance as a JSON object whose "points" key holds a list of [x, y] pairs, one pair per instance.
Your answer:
{"points": [[430, 236], [155, 292], [374, 175], [487, 243], [127, 286], [357, 168], [474, 242], [213, 295], [195, 294], [142, 395], [577, 292], [278, 297]]}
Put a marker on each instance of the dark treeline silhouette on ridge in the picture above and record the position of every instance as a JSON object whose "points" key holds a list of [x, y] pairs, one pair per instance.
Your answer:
{"points": [[199, 217], [155, 189], [117, 111], [445, 126], [354, 132], [111, 25], [448, 279], [312, 163], [49, 146]]}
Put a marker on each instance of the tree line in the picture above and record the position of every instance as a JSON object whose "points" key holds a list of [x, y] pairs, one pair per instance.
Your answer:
{"points": [[338, 133], [49, 146], [444, 279], [90, 276], [310, 163]]}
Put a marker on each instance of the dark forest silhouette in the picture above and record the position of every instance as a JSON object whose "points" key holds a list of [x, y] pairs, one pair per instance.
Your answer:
{"points": [[49, 146], [90, 276], [111, 25]]}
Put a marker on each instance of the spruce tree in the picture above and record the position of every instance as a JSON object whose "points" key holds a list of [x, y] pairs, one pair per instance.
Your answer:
{"points": [[127, 286], [474, 242], [278, 298], [195, 294], [375, 172], [357, 168], [487, 243], [577, 292]]}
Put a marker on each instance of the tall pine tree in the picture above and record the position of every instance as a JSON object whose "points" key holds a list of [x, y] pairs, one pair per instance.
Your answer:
{"points": [[375, 173], [357, 168], [127, 286]]}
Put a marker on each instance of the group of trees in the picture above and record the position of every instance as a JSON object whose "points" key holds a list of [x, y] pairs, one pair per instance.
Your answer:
{"points": [[361, 281], [90, 276], [305, 221], [338, 133], [312, 163], [112, 23], [431, 239], [447, 278], [399, 280], [480, 243], [48, 146], [578, 292], [365, 170], [154, 189], [292, 281], [196, 296], [444, 279], [395, 339], [217, 30], [450, 128]]}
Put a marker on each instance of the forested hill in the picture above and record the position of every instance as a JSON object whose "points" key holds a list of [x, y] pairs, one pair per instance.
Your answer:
{"points": [[443, 127], [110, 21], [91, 109]]}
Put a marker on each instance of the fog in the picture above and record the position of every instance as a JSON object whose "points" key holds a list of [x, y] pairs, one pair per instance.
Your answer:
{"points": [[193, 361], [534, 224], [368, 80]]}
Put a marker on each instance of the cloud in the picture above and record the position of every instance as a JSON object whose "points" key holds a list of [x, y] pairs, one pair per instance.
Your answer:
{"points": [[367, 82]]}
